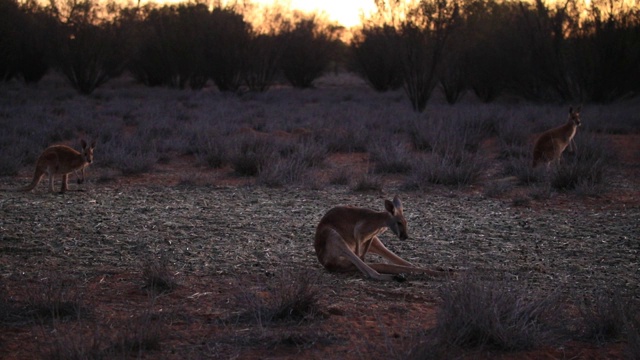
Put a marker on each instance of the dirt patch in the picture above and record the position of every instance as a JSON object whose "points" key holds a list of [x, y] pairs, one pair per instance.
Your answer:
{"points": [[221, 241]]}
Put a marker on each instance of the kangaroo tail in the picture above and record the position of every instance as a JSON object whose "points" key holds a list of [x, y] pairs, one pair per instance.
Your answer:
{"points": [[37, 176]]}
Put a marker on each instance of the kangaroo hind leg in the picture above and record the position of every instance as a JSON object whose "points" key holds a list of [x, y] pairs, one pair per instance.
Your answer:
{"points": [[341, 258]]}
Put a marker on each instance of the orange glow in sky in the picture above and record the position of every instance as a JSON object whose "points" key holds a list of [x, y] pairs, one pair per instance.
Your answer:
{"points": [[346, 12]]}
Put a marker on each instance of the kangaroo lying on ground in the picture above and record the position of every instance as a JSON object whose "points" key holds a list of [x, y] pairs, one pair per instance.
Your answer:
{"points": [[346, 234]]}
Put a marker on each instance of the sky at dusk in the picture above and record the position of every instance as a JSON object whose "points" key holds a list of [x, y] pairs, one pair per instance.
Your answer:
{"points": [[346, 12]]}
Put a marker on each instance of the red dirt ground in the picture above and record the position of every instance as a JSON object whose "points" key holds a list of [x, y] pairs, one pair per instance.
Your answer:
{"points": [[115, 295]]}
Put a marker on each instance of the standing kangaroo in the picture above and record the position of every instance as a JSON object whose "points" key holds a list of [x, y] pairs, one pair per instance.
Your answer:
{"points": [[346, 234], [552, 143], [61, 160]]}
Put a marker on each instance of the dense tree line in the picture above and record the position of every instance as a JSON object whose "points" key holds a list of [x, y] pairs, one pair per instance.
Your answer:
{"points": [[180, 46], [494, 47], [540, 52]]}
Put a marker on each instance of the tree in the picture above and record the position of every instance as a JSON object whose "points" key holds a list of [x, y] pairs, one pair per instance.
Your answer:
{"points": [[375, 51], [308, 51]]}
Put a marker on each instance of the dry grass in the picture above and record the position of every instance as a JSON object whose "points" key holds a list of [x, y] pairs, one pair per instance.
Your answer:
{"points": [[138, 337], [477, 314], [607, 317], [55, 297], [135, 139], [220, 236], [157, 276], [286, 297]]}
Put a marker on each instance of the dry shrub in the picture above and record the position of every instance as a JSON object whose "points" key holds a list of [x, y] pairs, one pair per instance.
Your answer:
{"points": [[131, 155], [368, 182], [212, 150], [12, 313], [390, 158], [283, 171], [452, 169], [633, 339], [481, 315], [605, 318], [289, 296], [139, 336], [79, 344], [157, 276], [252, 154], [341, 177], [292, 163], [55, 297], [521, 168], [52, 298], [497, 188], [134, 339], [354, 137], [587, 170], [513, 139]]}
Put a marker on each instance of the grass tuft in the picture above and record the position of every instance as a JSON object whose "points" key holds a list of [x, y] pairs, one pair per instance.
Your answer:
{"points": [[135, 339], [481, 315], [390, 159], [282, 172], [55, 298], [368, 182], [605, 318], [586, 170], [79, 344], [212, 151], [157, 276], [287, 297], [452, 169], [252, 154], [341, 177], [521, 168], [139, 336], [632, 350]]}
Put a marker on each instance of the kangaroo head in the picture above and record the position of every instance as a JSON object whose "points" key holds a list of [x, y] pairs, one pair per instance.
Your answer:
{"points": [[574, 116], [397, 223], [87, 151]]}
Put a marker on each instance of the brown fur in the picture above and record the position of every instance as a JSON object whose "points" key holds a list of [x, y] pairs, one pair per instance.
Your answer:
{"points": [[346, 234], [61, 160], [551, 144]]}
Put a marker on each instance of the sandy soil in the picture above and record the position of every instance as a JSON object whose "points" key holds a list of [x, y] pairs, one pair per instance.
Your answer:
{"points": [[226, 242]]}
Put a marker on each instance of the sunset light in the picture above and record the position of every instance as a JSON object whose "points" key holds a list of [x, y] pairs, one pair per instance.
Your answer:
{"points": [[346, 12]]}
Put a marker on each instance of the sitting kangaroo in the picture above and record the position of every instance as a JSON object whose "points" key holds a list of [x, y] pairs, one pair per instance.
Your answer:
{"points": [[61, 160], [346, 234]]}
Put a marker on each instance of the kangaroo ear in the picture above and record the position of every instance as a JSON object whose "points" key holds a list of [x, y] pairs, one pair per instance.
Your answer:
{"points": [[397, 203], [93, 144], [83, 144], [570, 109], [390, 207]]}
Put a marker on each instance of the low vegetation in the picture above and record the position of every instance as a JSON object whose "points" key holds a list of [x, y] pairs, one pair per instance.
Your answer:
{"points": [[258, 141], [157, 276], [486, 315], [237, 126], [286, 297]]}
